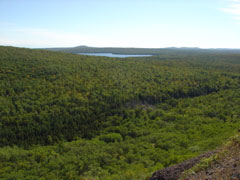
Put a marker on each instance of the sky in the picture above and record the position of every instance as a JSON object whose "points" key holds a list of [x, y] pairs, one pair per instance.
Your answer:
{"points": [[120, 23]]}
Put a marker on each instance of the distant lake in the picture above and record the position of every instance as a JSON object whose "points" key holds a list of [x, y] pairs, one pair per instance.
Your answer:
{"points": [[114, 55]]}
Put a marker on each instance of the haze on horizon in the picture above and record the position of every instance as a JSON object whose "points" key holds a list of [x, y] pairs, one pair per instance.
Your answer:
{"points": [[122, 23]]}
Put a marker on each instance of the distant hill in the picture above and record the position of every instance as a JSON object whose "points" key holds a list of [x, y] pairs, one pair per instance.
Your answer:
{"points": [[150, 51]]}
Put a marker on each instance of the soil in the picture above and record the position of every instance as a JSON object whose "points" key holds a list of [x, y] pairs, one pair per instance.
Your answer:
{"points": [[174, 172], [226, 168]]}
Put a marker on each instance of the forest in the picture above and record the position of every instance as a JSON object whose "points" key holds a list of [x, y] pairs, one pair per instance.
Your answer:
{"points": [[69, 116]]}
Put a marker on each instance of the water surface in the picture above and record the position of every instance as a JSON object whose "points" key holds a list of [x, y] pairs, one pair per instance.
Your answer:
{"points": [[114, 55]]}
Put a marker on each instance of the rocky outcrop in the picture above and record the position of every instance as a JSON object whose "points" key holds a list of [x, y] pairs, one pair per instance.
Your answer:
{"points": [[174, 172], [222, 164]]}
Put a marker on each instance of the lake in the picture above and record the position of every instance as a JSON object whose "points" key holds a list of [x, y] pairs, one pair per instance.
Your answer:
{"points": [[114, 55]]}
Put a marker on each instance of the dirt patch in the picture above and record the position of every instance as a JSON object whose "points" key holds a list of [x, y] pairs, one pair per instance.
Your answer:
{"points": [[227, 167], [174, 172]]}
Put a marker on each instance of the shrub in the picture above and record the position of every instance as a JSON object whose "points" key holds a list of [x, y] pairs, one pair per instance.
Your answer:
{"points": [[111, 137]]}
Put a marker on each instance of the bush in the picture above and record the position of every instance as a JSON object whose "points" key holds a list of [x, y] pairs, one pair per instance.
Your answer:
{"points": [[111, 137]]}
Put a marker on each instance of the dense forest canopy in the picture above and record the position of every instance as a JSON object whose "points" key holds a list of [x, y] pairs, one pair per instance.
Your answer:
{"points": [[68, 116]]}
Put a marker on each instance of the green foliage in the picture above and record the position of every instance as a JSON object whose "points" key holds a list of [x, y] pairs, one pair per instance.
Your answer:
{"points": [[108, 118], [111, 137]]}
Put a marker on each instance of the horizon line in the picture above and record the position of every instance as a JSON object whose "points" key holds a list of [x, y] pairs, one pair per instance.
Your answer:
{"points": [[169, 47]]}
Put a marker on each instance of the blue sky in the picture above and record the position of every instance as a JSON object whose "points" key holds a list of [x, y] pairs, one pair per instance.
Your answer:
{"points": [[120, 23]]}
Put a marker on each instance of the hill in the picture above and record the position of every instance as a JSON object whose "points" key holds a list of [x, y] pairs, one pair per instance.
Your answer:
{"points": [[147, 51], [224, 163], [68, 116]]}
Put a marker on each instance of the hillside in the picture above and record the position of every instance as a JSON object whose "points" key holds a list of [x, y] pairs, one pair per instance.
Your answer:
{"points": [[225, 164], [149, 51], [68, 116], [222, 164]]}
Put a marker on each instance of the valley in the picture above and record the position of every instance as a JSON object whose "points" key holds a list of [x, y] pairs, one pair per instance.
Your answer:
{"points": [[71, 116]]}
